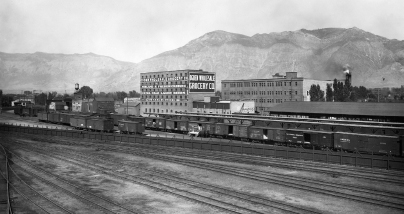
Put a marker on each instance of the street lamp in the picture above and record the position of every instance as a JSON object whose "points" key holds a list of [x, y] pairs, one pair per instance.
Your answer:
{"points": [[76, 86]]}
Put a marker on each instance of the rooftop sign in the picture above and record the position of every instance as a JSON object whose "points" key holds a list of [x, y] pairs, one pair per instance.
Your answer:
{"points": [[202, 82]]}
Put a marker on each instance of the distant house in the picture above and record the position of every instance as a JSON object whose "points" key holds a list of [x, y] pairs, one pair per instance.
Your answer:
{"points": [[98, 105], [132, 108]]}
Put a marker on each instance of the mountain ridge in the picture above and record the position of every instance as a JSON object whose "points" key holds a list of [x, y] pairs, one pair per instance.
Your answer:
{"points": [[318, 53]]}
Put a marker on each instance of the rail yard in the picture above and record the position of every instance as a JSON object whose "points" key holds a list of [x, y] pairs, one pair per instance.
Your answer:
{"points": [[65, 173]]}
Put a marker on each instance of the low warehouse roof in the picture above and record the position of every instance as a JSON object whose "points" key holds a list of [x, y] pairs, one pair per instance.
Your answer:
{"points": [[341, 108]]}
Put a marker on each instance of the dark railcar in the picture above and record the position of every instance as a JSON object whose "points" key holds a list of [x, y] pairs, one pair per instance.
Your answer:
{"points": [[53, 117], [294, 137], [157, 123], [208, 128], [136, 119], [241, 131], [64, 118], [43, 116], [79, 122], [368, 143], [221, 130], [130, 127], [100, 124], [118, 117]]}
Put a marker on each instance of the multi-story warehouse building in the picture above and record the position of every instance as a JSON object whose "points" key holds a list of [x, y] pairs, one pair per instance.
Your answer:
{"points": [[269, 92], [174, 91]]}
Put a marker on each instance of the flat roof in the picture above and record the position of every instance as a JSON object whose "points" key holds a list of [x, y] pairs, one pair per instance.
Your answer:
{"points": [[272, 79], [341, 108], [176, 71]]}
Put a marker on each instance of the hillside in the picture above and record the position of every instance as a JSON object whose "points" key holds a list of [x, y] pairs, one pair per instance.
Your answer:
{"points": [[318, 54], [58, 72]]}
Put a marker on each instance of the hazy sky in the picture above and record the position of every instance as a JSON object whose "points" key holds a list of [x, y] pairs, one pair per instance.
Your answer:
{"points": [[131, 30]]}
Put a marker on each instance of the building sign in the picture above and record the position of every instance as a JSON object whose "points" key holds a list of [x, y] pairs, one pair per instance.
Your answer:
{"points": [[242, 106], [202, 82], [76, 106]]}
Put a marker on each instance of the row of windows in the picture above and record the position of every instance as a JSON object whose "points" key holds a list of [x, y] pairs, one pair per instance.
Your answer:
{"points": [[160, 75], [162, 89], [259, 92], [271, 100], [257, 84], [158, 110], [162, 103], [162, 96], [167, 83]]}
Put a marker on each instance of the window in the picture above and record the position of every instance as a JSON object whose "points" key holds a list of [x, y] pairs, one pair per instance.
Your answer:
{"points": [[186, 105], [296, 83], [145, 110]]}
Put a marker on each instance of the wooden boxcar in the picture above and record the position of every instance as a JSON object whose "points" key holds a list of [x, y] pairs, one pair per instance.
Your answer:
{"points": [[53, 117], [136, 119], [100, 124], [79, 121], [368, 143], [241, 131], [294, 136], [130, 127], [64, 118], [208, 128], [118, 117], [42, 116], [221, 130]]}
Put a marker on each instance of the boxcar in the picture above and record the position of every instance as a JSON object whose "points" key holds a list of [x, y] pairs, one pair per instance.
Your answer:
{"points": [[118, 117], [100, 124], [136, 119], [53, 117], [221, 130], [208, 128], [42, 116], [294, 136], [79, 122], [368, 143], [64, 118], [130, 127], [241, 131]]}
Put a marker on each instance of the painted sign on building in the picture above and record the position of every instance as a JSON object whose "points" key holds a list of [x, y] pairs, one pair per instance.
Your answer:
{"points": [[242, 106], [200, 82], [76, 106]]}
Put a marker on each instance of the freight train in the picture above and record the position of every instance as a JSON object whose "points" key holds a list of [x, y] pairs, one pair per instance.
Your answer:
{"points": [[321, 135], [96, 122]]}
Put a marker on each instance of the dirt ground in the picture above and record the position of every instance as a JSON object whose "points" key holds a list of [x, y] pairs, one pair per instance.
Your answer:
{"points": [[143, 199]]}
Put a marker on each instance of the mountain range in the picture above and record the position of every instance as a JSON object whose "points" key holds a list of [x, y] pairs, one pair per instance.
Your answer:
{"points": [[374, 61]]}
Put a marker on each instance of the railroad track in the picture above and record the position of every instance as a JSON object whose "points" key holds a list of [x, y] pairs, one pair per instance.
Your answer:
{"points": [[245, 197], [265, 161], [331, 169], [82, 194], [5, 201], [302, 183], [193, 197]]}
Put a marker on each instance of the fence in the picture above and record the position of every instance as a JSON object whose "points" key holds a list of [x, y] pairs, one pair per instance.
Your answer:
{"points": [[354, 159]]}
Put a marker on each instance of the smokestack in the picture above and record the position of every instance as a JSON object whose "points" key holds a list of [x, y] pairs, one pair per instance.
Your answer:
{"points": [[348, 76]]}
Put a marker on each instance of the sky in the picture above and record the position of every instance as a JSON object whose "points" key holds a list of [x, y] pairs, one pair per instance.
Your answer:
{"points": [[135, 30]]}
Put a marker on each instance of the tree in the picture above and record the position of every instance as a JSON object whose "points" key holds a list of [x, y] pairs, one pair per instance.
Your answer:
{"points": [[121, 95], [316, 94], [133, 93], [329, 93], [40, 99], [6, 100], [218, 94], [52, 95], [86, 91]]}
